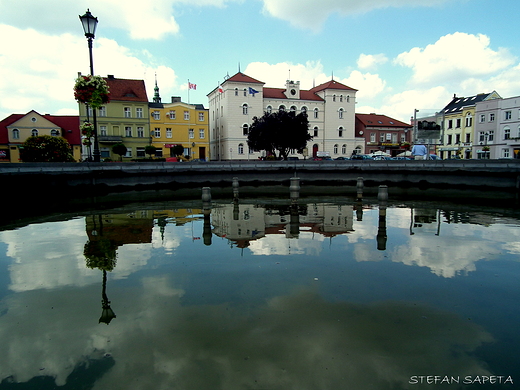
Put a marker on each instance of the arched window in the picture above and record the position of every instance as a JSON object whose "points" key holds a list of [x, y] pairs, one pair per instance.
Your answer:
{"points": [[344, 149], [333, 98], [240, 148], [245, 129], [316, 111], [269, 109], [340, 98], [236, 91], [304, 109], [340, 113], [348, 98], [244, 109], [293, 108], [55, 133], [245, 92], [34, 133], [335, 148], [340, 131], [281, 108], [315, 131], [16, 134]]}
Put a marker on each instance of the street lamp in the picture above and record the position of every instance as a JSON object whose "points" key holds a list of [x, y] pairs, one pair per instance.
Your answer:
{"points": [[89, 23]]}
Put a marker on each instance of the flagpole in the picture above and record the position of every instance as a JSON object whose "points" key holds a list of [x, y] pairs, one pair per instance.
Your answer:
{"points": [[189, 91]]}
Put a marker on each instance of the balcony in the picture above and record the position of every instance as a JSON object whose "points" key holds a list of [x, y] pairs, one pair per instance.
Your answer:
{"points": [[110, 139]]}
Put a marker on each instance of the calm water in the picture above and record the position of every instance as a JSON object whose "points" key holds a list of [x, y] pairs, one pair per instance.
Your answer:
{"points": [[329, 294]]}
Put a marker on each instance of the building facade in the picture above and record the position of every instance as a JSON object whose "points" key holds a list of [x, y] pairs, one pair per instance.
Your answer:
{"points": [[16, 128], [330, 108], [123, 120], [382, 133], [179, 123], [458, 124]]}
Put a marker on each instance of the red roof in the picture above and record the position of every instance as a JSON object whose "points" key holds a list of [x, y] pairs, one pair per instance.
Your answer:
{"points": [[4, 136], [332, 84], [126, 89], [278, 93], [242, 78], [377, 120]]}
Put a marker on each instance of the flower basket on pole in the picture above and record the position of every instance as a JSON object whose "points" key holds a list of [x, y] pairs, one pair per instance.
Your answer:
{"points": [[91, 90]]}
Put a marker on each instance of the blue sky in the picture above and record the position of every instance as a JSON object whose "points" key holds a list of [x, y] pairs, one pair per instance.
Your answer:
{"points": [[413, 54]]}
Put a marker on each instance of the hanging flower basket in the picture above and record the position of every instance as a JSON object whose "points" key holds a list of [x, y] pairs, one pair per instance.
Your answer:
{"points": [[87, 142], [92, 90], [87, 129], [485, 148]]}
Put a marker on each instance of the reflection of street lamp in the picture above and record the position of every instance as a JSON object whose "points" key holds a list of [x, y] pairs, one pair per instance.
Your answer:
{"points": [[107, 314], [89, 23]]}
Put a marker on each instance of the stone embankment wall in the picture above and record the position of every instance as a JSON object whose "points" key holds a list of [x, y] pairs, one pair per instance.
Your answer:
{"points": [[503, 175]]}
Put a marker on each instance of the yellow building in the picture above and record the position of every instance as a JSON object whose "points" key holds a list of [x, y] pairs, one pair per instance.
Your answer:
{"points": [[459, 121], [179, 123], [16, 128], [123, 120]]}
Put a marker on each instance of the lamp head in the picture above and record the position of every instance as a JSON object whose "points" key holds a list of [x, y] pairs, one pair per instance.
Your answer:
{"points": [[89, 23]]}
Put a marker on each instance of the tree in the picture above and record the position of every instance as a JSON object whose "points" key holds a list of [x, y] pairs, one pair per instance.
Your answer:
{"points": [[119, 149], [149, 150], [280, 132], [177, 150], [45, 148]]}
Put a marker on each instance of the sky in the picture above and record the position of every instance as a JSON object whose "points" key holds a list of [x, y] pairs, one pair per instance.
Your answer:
{"points": [[400, 55]]}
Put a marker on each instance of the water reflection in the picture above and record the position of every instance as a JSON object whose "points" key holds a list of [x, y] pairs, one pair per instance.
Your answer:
{"points": [[280, 295]]}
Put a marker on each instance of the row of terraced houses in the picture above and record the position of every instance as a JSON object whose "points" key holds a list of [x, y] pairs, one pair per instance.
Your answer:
{"points": [[480, 126]]}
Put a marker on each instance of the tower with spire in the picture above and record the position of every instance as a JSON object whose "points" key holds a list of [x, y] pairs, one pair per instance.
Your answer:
{"points": [[156, 96]]}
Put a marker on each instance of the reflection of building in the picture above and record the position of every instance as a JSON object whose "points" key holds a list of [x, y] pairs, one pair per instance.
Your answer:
{"points": [[130, 228], [16, 128], [244, 223], [424, 221]]}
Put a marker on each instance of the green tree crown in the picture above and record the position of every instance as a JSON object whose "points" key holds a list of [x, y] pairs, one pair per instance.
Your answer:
{"points": [[45, 148]]}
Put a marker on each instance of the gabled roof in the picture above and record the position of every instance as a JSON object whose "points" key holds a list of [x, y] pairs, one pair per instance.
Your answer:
{"points": [[332, 84], [278, 93], [4, 136], [126, 89], [458, 104], [243, 78], [377, 120]]}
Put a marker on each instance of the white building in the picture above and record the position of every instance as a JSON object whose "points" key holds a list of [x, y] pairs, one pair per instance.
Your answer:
{"points": [[330, 108]]}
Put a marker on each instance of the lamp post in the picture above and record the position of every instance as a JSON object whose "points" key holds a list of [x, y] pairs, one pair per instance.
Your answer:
{"points": [[89, 23]]}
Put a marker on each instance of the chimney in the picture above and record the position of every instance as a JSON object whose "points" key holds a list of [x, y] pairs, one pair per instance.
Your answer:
{"points": [[176, 99], [111, 77]]}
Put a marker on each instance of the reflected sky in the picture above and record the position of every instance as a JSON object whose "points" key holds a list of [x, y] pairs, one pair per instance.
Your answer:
{"points": [[276, 298]]}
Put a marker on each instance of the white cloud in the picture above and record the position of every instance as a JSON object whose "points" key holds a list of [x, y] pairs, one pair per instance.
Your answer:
{"points": [[307, 15], [454, 57], [368, 85], [370, 61], [41, 76], [276, 75]]}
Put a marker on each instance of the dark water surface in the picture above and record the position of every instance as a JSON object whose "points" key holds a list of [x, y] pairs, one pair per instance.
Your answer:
{"points": [[328, 293]]}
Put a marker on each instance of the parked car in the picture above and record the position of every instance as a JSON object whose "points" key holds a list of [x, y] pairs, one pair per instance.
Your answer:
{"points": [[292, 158], [434, 157], [342, 158], [361, 157], [379, 158]]}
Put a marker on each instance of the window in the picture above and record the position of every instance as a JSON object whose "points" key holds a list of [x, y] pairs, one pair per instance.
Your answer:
{"points": [[394, 138], [334, 99], [507, 115], [102, 111], [388, 136], [450, 123], [104, 152], [172, 114], [157, 132], [128, 131], [450, 138], [236, 91], [304, 109], [491, 117], [156, 115], [55, 133], [186, 115], [245, 129], [158, 152], [382, 137], [34, 133], [482, 118], [316, 111], [240, 148], [340, 113], [335, 148], [202, 133], [468, 137], [140, 131], [139, 153], [128, 152], [348, 98], [507, 133], [269, 109], [315, 131], [459, 122], [491, 135], [102, 130], [168, 132], [244, 109], [481, 136], [340, 132], [191, 133], [469, 121], [16, 134], [343, 147], [138, 112], [505, 153], [293, 109], [201, 117], [281, 108], [457, 138], [128, 112], [245, 92], [340, 98], [372, 137]]}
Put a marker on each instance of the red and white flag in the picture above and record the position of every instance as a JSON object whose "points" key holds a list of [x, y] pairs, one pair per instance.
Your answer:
{"points": [[192, 86], [220, 89]]}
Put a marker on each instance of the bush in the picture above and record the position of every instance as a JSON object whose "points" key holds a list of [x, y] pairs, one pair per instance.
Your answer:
{"points": [[45, 148]]}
